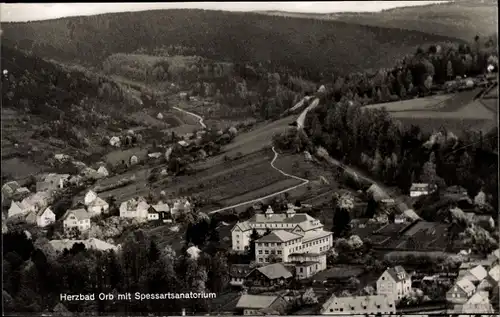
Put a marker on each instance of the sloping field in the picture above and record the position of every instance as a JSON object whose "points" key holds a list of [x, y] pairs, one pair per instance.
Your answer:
{"points": [[472, 110], [232, 182], [250, 142], [428, 103]]}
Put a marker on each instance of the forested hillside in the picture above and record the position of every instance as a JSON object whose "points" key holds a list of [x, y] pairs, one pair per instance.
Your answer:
{"points": [[54, 107], [309, 48], [459, 19]]}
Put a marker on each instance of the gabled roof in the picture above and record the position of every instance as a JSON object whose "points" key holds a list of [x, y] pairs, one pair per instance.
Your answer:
{"points": [[494, 273], [161, 207], [315, 234], [279, 236], [98, 202], [275, 271], [43, 211], [398, 273], [479, 273], [81, 214], [466, 285], [243, 226], [255, 301], [358, 303], [12, 185]]}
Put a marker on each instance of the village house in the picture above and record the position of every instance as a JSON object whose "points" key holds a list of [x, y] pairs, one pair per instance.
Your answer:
{"points": [[90, 196], [77, 218], [153, 215], [238, 274], [41, 218], [102, 172], [137, 209], [163, 211], [18, 208], [297, 223], [270, 275], [52, 182], [461, 291], [376, 305], [21, 193], [307, 264], [420, 189], [9, 188], [37, 201], [395, 282], [479, 303], [98, 206], [475, 275], [180, 206], [256, 305]]}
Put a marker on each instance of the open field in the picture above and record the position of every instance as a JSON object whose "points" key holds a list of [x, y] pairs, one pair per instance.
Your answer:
{"points": [[455, 112], [429, 103], [252, 141]]}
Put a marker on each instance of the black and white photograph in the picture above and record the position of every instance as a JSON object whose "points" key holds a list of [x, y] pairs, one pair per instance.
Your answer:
{"points": [[250, 158]]}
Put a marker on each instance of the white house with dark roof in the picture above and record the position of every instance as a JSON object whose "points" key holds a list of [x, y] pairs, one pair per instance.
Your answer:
{"points": [[359, 306], [395, 282], [153, 215], [461, 291], [290, 221], [163, 210], [77, 218]]}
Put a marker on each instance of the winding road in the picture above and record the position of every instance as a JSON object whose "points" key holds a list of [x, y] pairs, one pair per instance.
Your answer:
{"points": [[300, 125], [200, 119]]}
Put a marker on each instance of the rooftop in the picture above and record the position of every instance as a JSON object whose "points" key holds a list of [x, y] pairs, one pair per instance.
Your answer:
{"points": [[466, 285], [275, 271], [398, 273], [80, 214], [255, 301], [279, 236]]}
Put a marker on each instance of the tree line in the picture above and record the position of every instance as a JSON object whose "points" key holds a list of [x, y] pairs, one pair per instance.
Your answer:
{"points": [[35, 275]]}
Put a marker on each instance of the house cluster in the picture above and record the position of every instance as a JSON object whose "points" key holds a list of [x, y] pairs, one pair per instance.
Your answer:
{"points": [[166, 212], [292, 238], [79, 218], [393, 285], [33, 207], [476, 286]]}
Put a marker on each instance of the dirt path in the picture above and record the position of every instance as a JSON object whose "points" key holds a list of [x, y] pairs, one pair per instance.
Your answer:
{"points": [[304, 182], [200, 119]]}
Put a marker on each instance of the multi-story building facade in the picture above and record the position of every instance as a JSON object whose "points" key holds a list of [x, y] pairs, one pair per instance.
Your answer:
{"points": [[298, 223], [373, 305], [280, 244], [394, 282]]}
